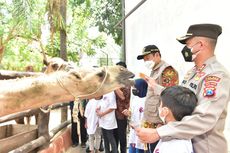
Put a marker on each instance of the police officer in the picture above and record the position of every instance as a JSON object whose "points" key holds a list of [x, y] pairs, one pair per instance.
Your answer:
{"points": [[211, 83], [165, 75]]}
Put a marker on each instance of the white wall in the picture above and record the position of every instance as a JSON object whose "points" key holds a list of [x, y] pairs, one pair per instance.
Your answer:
{"points": [[159, 22]]}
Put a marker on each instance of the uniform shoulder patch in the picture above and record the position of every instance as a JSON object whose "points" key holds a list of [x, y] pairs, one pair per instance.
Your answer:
{"points": [[170, 77], [210, 83], [212, 78]]}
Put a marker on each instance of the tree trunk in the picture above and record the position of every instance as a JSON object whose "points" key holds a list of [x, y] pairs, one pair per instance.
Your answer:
{"points": [[123, 31], [1, 52], [63, 52]]}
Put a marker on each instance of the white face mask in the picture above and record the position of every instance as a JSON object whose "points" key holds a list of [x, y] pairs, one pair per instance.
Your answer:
{"points": [[149, 64], [162, 118]]}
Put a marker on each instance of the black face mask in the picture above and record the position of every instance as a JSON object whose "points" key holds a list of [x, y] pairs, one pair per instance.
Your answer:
{"points": [[135, 92], [187, 54]]}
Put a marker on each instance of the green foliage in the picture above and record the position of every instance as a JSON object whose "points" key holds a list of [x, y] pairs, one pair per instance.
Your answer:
{"points": [[107, 14], [19, 30], [79, 39], [53, 48], [18, 59], [54, 15], [21, 22]]}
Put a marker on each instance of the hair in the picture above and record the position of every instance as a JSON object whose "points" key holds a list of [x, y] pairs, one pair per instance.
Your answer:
{"points": [[156, 52], [212, 42], [122, 64], [180, 100]]}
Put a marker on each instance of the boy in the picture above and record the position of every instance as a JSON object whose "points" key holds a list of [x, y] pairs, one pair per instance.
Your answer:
{"points": [[91, 124], [176, 102], [107, 120]]}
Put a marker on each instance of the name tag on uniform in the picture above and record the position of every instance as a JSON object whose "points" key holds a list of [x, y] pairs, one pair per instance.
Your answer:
{"points": [[184, 81], [193, 85]]}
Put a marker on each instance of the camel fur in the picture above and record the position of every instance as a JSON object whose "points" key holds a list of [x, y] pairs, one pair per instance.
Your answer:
{"points": [[64, 85]]}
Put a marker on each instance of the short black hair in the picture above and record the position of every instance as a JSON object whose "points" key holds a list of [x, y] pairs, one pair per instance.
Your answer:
{"points": [[157, 52], [180, 100], [122, 64]]}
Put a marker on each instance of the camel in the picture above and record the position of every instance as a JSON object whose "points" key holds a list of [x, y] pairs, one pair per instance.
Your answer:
{"points": [[64, 84]]}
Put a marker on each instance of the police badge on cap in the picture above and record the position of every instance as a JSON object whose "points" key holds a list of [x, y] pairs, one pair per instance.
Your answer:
{"points": [[147, 50]]}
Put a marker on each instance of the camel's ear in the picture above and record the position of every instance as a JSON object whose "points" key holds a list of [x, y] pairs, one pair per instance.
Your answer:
{"points": [[76, 75]]}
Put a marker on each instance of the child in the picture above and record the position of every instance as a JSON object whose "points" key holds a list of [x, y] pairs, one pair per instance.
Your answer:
{"points": [[176, 102], [137, 112], [107, 120], [91, 124]]}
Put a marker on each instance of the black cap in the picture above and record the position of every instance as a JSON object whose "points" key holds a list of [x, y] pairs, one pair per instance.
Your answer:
{"points": [[202, 30], [147, 50]]}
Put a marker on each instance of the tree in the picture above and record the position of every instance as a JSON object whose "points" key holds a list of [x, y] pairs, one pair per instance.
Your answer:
{"points": [[107, 14], [79, 40], [19, 27], [21, 33]]}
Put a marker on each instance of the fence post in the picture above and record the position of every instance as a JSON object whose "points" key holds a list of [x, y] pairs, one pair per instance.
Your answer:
{"points": [[43, 126]]}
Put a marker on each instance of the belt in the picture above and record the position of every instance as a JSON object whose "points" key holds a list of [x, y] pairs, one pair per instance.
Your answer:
{"points": [[151, 125]]}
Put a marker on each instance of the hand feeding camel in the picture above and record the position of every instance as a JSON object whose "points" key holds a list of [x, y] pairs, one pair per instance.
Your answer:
{"points": [[33, 92]]}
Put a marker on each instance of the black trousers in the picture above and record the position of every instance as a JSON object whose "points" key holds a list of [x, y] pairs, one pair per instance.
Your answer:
{"points": [[83, 132], [121, 135], [109, 139], [152, 146]]}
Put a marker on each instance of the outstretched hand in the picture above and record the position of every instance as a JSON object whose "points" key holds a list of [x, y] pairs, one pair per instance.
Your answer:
{"points": [[147, 135], [151, 82]]}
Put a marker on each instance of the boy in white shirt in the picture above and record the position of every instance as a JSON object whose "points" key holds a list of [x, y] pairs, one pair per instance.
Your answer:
{"points": [[176, 102], [107, 120], [92, 124]]}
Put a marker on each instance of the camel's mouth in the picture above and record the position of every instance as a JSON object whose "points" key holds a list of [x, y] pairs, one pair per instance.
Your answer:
{"points": [[130, 81], [126, 78]]}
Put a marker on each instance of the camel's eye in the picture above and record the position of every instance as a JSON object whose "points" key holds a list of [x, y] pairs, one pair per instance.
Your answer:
{"points": [[122, 69], [76, 75]]}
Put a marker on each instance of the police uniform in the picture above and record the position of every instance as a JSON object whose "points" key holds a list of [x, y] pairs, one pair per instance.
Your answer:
{"points": [[211, 84], [165, 75]]}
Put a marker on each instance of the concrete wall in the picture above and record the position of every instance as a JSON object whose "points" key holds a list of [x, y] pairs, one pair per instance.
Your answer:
{"points": [[159, 22], [61, 143]]}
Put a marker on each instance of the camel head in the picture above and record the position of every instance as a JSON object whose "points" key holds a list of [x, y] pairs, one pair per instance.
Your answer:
{"points": [[93, 82], [90, 82], [62, 85]]}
